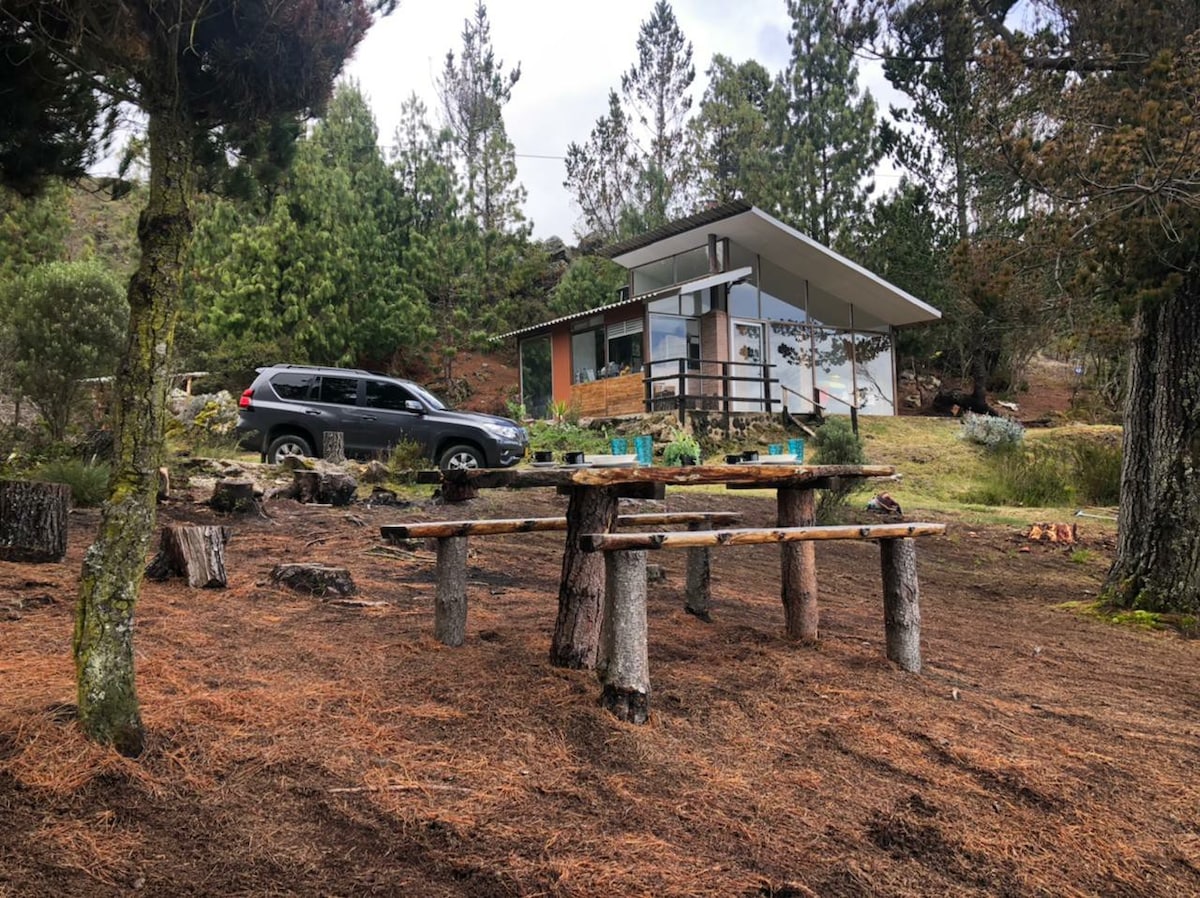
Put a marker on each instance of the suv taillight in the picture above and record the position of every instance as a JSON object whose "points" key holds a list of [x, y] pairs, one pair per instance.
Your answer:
{"points": [[247, 395]]}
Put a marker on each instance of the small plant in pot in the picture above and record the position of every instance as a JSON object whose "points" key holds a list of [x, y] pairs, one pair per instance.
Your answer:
{"points": [[682, 450]]}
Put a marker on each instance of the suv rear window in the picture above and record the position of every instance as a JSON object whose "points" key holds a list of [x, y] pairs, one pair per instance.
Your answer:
{"points": [[293, 385], [341, 390]]}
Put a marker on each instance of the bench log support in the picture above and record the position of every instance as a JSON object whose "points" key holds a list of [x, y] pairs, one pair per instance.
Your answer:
{"points": [[698, 592], [576, 639], [798, 581], [623, 664], [901, 602], [450, 599]]}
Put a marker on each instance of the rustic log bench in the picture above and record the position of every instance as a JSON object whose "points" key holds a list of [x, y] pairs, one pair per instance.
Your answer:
{"points": [[624, 666], [450, 602]]}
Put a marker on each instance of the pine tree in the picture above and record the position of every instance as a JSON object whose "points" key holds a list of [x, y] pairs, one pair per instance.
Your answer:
{"points": [[731, 135], [826, 129]]}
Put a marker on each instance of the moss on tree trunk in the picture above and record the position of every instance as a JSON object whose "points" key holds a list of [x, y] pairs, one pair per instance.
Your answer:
{"points": [[1157, 566], [113, 565]]}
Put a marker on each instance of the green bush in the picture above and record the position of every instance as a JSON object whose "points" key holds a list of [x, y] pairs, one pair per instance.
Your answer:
{"points": [[836, 444], [682, 446], [559, 437], [88, 482], [405, 459], [1097, 472], [1037, 479]]}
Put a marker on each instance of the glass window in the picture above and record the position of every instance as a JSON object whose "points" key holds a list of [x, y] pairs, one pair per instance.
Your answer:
{"points": [[339, 390], [783, 294], [864, 321], [827, 309], [673, 338], [625, 347], [695, 304], [667, 306], [691, 264], [833, 372], [873, 373], [740, 257], [387, 395], [743, 301], [654, 276], [587, 355], [293, 385], [537, 389]]}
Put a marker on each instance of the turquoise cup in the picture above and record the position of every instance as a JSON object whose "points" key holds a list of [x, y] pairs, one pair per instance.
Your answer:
{"points": [[644, 446], [796, 448], [775, 449], [619, 446]]}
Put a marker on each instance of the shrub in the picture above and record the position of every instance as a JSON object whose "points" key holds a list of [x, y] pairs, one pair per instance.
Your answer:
{"points": [[1035, 479], [836, 444], [1097, 472], [990, 431], [88, 482], [405, 459], [682, 450]]}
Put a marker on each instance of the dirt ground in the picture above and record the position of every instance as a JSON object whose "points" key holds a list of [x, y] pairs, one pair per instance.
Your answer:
{"points": [[299, 747]]}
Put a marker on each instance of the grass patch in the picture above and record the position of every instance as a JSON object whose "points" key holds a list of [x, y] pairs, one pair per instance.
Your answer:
{"points": [[1124, 617], [88, 482]]}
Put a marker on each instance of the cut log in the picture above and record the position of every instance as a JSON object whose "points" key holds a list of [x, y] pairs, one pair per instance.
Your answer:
{"points": [[450, 601], [316, 580], [195, 553], [581, 587], [325, 487], [623, 664], [798, 566], [33, 520], [233, 496], [699, 579], [333, 447], [901, 602]]}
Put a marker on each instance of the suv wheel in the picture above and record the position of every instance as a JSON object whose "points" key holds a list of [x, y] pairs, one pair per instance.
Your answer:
{"points": [[460, 458], [287, 446]]}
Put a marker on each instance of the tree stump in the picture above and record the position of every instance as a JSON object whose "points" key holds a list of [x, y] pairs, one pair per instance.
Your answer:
{"points": [[699, 580], [233, 496], [450, 600], [623, 664], [196, 553], [799, 566], [33, 520], [325, 487], [581, 587], [316, 580], [333, 447]]}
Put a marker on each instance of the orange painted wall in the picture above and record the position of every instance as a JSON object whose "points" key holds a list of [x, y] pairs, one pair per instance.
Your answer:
{"points": [[560, 365]]}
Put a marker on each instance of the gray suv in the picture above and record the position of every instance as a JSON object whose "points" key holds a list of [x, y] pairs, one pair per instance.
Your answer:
{"points": [[289, 408]]}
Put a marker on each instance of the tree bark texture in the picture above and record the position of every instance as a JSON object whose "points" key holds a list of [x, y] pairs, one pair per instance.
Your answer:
{"points": [[1157, 566], [112, 568], [333, 448], [698, 590], [798, 566], [624, 662], [196, 553], [450, 599], [33, 520], [581, 591], [327, 487], [317, 580], [901, 602]]}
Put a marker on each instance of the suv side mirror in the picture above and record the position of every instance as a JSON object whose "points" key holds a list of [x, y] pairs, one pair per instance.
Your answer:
{"points": [[412, 405]]}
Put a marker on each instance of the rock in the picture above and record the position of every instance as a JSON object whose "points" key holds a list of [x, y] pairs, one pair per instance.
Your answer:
{"points": [[913, 401]]}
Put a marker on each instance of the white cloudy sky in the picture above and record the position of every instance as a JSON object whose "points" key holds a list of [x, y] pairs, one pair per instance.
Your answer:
{"points": [[571, 53]]}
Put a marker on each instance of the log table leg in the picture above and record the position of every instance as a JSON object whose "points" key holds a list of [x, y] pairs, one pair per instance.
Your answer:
{"points": [[699, 580], [450, 599], [624, 664], [901, 602], [799, 566], [581, 590]]}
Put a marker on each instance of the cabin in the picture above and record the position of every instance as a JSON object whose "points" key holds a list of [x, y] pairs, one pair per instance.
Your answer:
{"points": [[728, 310]]}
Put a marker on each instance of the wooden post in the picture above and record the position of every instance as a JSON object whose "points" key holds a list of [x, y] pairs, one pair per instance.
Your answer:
{"points": [[798, 566], [33, 520], [581, 589], [901, 602], [625, 667], [699, 579], [333, 448], [450, 599], [197, 553]]}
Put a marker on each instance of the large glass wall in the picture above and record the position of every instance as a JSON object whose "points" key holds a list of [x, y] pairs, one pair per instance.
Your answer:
{"points": [[536, 378]]}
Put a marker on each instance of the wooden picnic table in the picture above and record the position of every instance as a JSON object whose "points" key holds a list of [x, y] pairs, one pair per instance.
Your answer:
{"points": [[593, 494]]}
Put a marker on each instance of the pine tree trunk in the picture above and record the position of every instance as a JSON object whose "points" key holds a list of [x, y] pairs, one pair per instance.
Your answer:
{"points": [[1157, 566], [581, 591], [112, 568]]}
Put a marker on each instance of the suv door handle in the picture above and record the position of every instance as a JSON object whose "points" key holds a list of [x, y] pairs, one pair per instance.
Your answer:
{"points": [[367, 418], [312, 411]]}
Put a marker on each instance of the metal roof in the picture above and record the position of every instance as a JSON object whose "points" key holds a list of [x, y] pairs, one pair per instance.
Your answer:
{"points": [[701, 219]]}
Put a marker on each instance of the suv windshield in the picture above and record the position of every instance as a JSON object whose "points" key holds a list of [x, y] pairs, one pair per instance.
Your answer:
{"points": [[428, 398]]}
